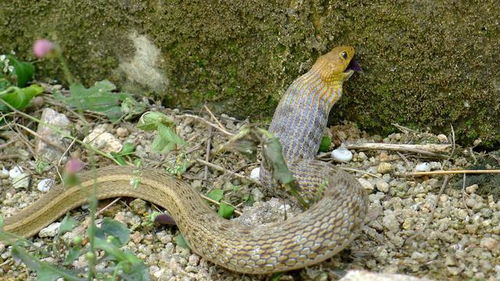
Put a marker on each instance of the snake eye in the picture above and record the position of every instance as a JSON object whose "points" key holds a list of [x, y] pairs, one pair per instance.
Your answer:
{"points": [[343, 55]]}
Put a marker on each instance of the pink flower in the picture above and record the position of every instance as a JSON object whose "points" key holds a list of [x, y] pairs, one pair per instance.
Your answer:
{"points": [[74, 165], [43, 47]]}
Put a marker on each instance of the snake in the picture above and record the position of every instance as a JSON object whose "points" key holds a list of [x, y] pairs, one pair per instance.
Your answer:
{"points": [[314, 235]]}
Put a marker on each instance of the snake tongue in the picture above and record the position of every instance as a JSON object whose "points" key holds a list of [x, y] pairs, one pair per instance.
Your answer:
{"points": [[354, 65]]}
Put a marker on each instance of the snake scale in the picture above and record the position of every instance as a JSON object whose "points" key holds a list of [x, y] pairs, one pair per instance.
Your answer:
{"points": [[318, 233]]}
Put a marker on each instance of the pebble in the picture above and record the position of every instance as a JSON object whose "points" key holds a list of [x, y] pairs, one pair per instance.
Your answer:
{"points": [[341, 154], [122, 132], [51, 118], [45, 185], [366, 184], [139, 206], [19, 178], [382, 186], [103, 140], [471, 188], [384, 167], [50, 231], [390, 221], [489, 243], [255, 173], [442, 138], [4, 173], [423, 167]]}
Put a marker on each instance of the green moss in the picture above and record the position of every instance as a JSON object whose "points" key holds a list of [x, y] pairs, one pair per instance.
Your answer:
{"points": [[425, 65]]}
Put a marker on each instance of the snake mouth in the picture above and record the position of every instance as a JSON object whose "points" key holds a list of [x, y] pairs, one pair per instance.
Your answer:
{"points": [[354, 66]]}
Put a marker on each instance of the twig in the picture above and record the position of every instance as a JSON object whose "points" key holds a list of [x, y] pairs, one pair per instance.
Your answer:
{"points": [[424, 149], [208, 123], [222, 169], [358, 171], [49, 142], [9, 156], [213, 117], [408, 165], [449, 172], [4, 145], [207, 152], [218, 204], [403, 128]]}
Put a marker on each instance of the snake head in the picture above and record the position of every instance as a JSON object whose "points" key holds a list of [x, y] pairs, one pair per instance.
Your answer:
{"points": [[337, 65]]}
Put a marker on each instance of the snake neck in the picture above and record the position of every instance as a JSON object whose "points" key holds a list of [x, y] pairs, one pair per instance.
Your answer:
{"points": [[302, 114]]}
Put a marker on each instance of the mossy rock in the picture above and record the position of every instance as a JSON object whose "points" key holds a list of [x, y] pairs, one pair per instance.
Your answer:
{"points": [[427, 64]]}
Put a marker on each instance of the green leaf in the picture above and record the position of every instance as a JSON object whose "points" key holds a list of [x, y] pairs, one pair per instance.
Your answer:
{"points": [[98, 98], [166, 140], [19, 98], [116, 229], [180, 241], [326, 143], [73, 254], [23, 71], [216, 194], [67, 224], [150, 120], [127, 149], [225, 210]]}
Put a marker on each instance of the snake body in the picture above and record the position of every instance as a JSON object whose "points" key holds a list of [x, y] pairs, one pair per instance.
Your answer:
{"points": [[318, 233]]}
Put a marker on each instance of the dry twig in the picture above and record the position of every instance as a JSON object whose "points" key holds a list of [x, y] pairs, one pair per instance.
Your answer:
{"points": [[424, 149], [450, 172], [222, 169]]}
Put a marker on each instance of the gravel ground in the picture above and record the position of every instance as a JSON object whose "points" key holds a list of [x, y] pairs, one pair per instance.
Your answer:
{"points": [[458, 239]]}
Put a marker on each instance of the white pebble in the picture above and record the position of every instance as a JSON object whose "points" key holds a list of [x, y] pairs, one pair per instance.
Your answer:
{"points": [[19, 178], [341, 154], [15, 172], [50, 231], [423, 167], [45, 185], [255, 173]]}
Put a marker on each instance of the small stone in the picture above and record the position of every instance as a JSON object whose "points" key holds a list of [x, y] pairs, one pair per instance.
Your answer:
{"points": [[19, 178], [442, 138], [137, 237], [390, 221], [382, 186], [384, 168], [362, 156], [103, 140], [366, 184], [4, 173], [45, 185], [423, 167], [50, 119], [193, 260], [188, 129], [341, 154], [383, 157], [473, 203], [196, 184], [489, 243], [255, 173], [471, 188], [138, 206], [122, 132], [50, 231]]}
